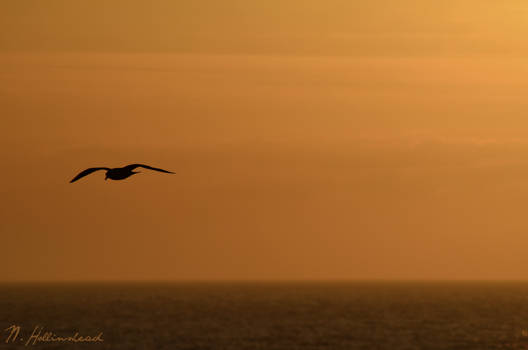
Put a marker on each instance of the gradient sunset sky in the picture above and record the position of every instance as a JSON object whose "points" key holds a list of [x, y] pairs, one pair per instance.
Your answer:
{"points": [[310, 139]]}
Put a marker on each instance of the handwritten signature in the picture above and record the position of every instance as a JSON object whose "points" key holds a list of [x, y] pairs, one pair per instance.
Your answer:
{"points": [[39, 335]]}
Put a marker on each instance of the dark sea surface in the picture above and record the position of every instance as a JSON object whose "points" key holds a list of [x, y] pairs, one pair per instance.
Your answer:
{"points": [[270, 315]]}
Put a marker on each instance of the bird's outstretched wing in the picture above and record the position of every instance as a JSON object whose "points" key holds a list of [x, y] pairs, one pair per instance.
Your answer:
{"points": [[133, 166], [86, 172]]}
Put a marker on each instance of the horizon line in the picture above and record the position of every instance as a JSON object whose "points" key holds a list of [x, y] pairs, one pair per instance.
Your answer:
{"points": [[265, 280]]}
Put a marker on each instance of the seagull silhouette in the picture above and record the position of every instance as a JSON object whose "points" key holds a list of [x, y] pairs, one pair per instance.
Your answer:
{"points": [[118, 173]]}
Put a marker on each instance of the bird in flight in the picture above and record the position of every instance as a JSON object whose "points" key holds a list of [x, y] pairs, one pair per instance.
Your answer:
{"points": [[118, 173]]}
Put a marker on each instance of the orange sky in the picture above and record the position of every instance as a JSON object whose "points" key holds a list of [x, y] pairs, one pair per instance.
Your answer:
{"points": [[310, 139]]}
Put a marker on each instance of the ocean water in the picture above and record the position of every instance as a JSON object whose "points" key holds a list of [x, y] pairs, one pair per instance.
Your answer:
{"points": [[266, 315]]}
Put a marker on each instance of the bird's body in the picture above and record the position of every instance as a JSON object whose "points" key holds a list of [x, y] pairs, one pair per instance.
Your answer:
{"points": [[118, 173]]}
